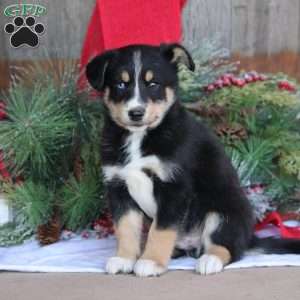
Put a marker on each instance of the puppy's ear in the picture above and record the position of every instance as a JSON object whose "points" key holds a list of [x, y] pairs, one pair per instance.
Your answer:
{"points": [[96, 68], [176, 53]]}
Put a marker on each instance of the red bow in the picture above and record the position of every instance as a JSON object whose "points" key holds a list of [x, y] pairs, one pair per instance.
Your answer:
{"points": [[276, 219]]}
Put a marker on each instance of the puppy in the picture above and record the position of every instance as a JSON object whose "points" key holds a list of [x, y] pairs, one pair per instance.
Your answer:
{"points": [[162, 164]]}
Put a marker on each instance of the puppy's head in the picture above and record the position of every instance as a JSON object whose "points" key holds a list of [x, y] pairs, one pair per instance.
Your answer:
{"points": [[138, 82]]}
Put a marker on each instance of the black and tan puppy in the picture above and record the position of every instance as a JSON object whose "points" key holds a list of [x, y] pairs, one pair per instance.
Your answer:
{"points": [[159, 162]]}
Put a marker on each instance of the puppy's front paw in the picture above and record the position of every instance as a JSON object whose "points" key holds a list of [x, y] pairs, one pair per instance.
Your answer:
{"points": [[209, 264], [147, 268], [118, 264]]}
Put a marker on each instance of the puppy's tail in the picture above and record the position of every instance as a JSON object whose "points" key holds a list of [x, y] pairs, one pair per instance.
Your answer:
{"points": [[275, 245]]}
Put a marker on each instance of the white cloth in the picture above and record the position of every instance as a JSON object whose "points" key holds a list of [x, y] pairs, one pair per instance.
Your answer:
{"points": [[90, 255]]}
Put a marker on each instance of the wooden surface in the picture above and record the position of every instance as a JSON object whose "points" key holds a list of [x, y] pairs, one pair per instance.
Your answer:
{"points": [[247, 26], [263, 34]]}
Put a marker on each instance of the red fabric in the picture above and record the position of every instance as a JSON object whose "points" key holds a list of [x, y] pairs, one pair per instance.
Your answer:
{"points": [[2, 111], [276, 219], [3, 170], [119, 23]]}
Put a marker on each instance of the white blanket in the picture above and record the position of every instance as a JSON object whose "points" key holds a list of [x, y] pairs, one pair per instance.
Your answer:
{"points": [[90, 255]]}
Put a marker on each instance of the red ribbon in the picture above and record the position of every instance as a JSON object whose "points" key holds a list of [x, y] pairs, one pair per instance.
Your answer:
{"points": [[3, 170], [274, 218]]}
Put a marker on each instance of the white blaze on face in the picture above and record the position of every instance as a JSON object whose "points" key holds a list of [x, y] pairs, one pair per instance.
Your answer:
{"points": [[135, 100]]}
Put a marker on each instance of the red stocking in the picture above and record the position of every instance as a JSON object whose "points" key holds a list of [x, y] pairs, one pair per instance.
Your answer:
{"points": [[119, 23]]}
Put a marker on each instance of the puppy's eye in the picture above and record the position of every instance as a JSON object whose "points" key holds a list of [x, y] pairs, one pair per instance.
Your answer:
{"points": [[121, 85], [153, 84]]}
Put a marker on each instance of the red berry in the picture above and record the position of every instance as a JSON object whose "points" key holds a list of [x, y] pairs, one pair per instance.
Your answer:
{"points": [[235, 81], [210, 88], [285, 85], [2, 115], [227, 82], [248, 78], [5, 174], [255, 76], [219, 84], [292, 89], [229, 76], [85, 234], [260, 77], [241, 82], [226, 77], [102, 222]]}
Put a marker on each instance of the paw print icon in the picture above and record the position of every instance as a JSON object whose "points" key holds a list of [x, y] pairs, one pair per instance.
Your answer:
{"points": [[24, 31]]}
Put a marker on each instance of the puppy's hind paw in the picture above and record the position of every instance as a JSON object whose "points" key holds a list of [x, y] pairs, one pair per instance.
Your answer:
{"points": [[209, 264], [118, 264]]}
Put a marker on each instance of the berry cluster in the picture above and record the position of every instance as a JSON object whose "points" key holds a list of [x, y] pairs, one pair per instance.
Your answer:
{"points": [[257, 188], [104, 225], [3, 170], [3, 114], [286, 86], [227, 80], [4, 174]]}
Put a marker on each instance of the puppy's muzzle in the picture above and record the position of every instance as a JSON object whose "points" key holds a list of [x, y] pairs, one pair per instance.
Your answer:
{"points": [[136, 114]]}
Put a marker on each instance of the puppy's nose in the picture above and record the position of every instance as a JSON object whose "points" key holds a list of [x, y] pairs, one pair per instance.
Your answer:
{"points": [[136, 114]]}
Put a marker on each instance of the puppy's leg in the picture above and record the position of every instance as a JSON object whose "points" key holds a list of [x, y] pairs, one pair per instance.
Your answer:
{"points": [[224, 239], [158, 251], [128, 234], [215, 256], [213, 260]]}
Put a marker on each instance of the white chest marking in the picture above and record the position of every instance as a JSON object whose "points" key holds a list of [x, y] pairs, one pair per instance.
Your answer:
{"points": [[140, 186], [133, 146]]}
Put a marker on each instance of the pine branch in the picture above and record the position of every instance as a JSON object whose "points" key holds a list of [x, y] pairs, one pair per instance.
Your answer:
{"points": [[15, 233], [82, 201], [40, 127], [251, 159], [34, 201], [212, 61]]}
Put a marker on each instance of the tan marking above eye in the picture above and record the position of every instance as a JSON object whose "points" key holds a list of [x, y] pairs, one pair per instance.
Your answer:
{"points": [[125, 76], [149, 75]]}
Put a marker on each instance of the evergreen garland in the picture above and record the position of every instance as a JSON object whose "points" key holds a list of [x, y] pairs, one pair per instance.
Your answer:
{"points": [[51, 139], [15, 232], [50, 125], [268, 151], [82, 201], [33, 200], [38, 131], [211, 61]]}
